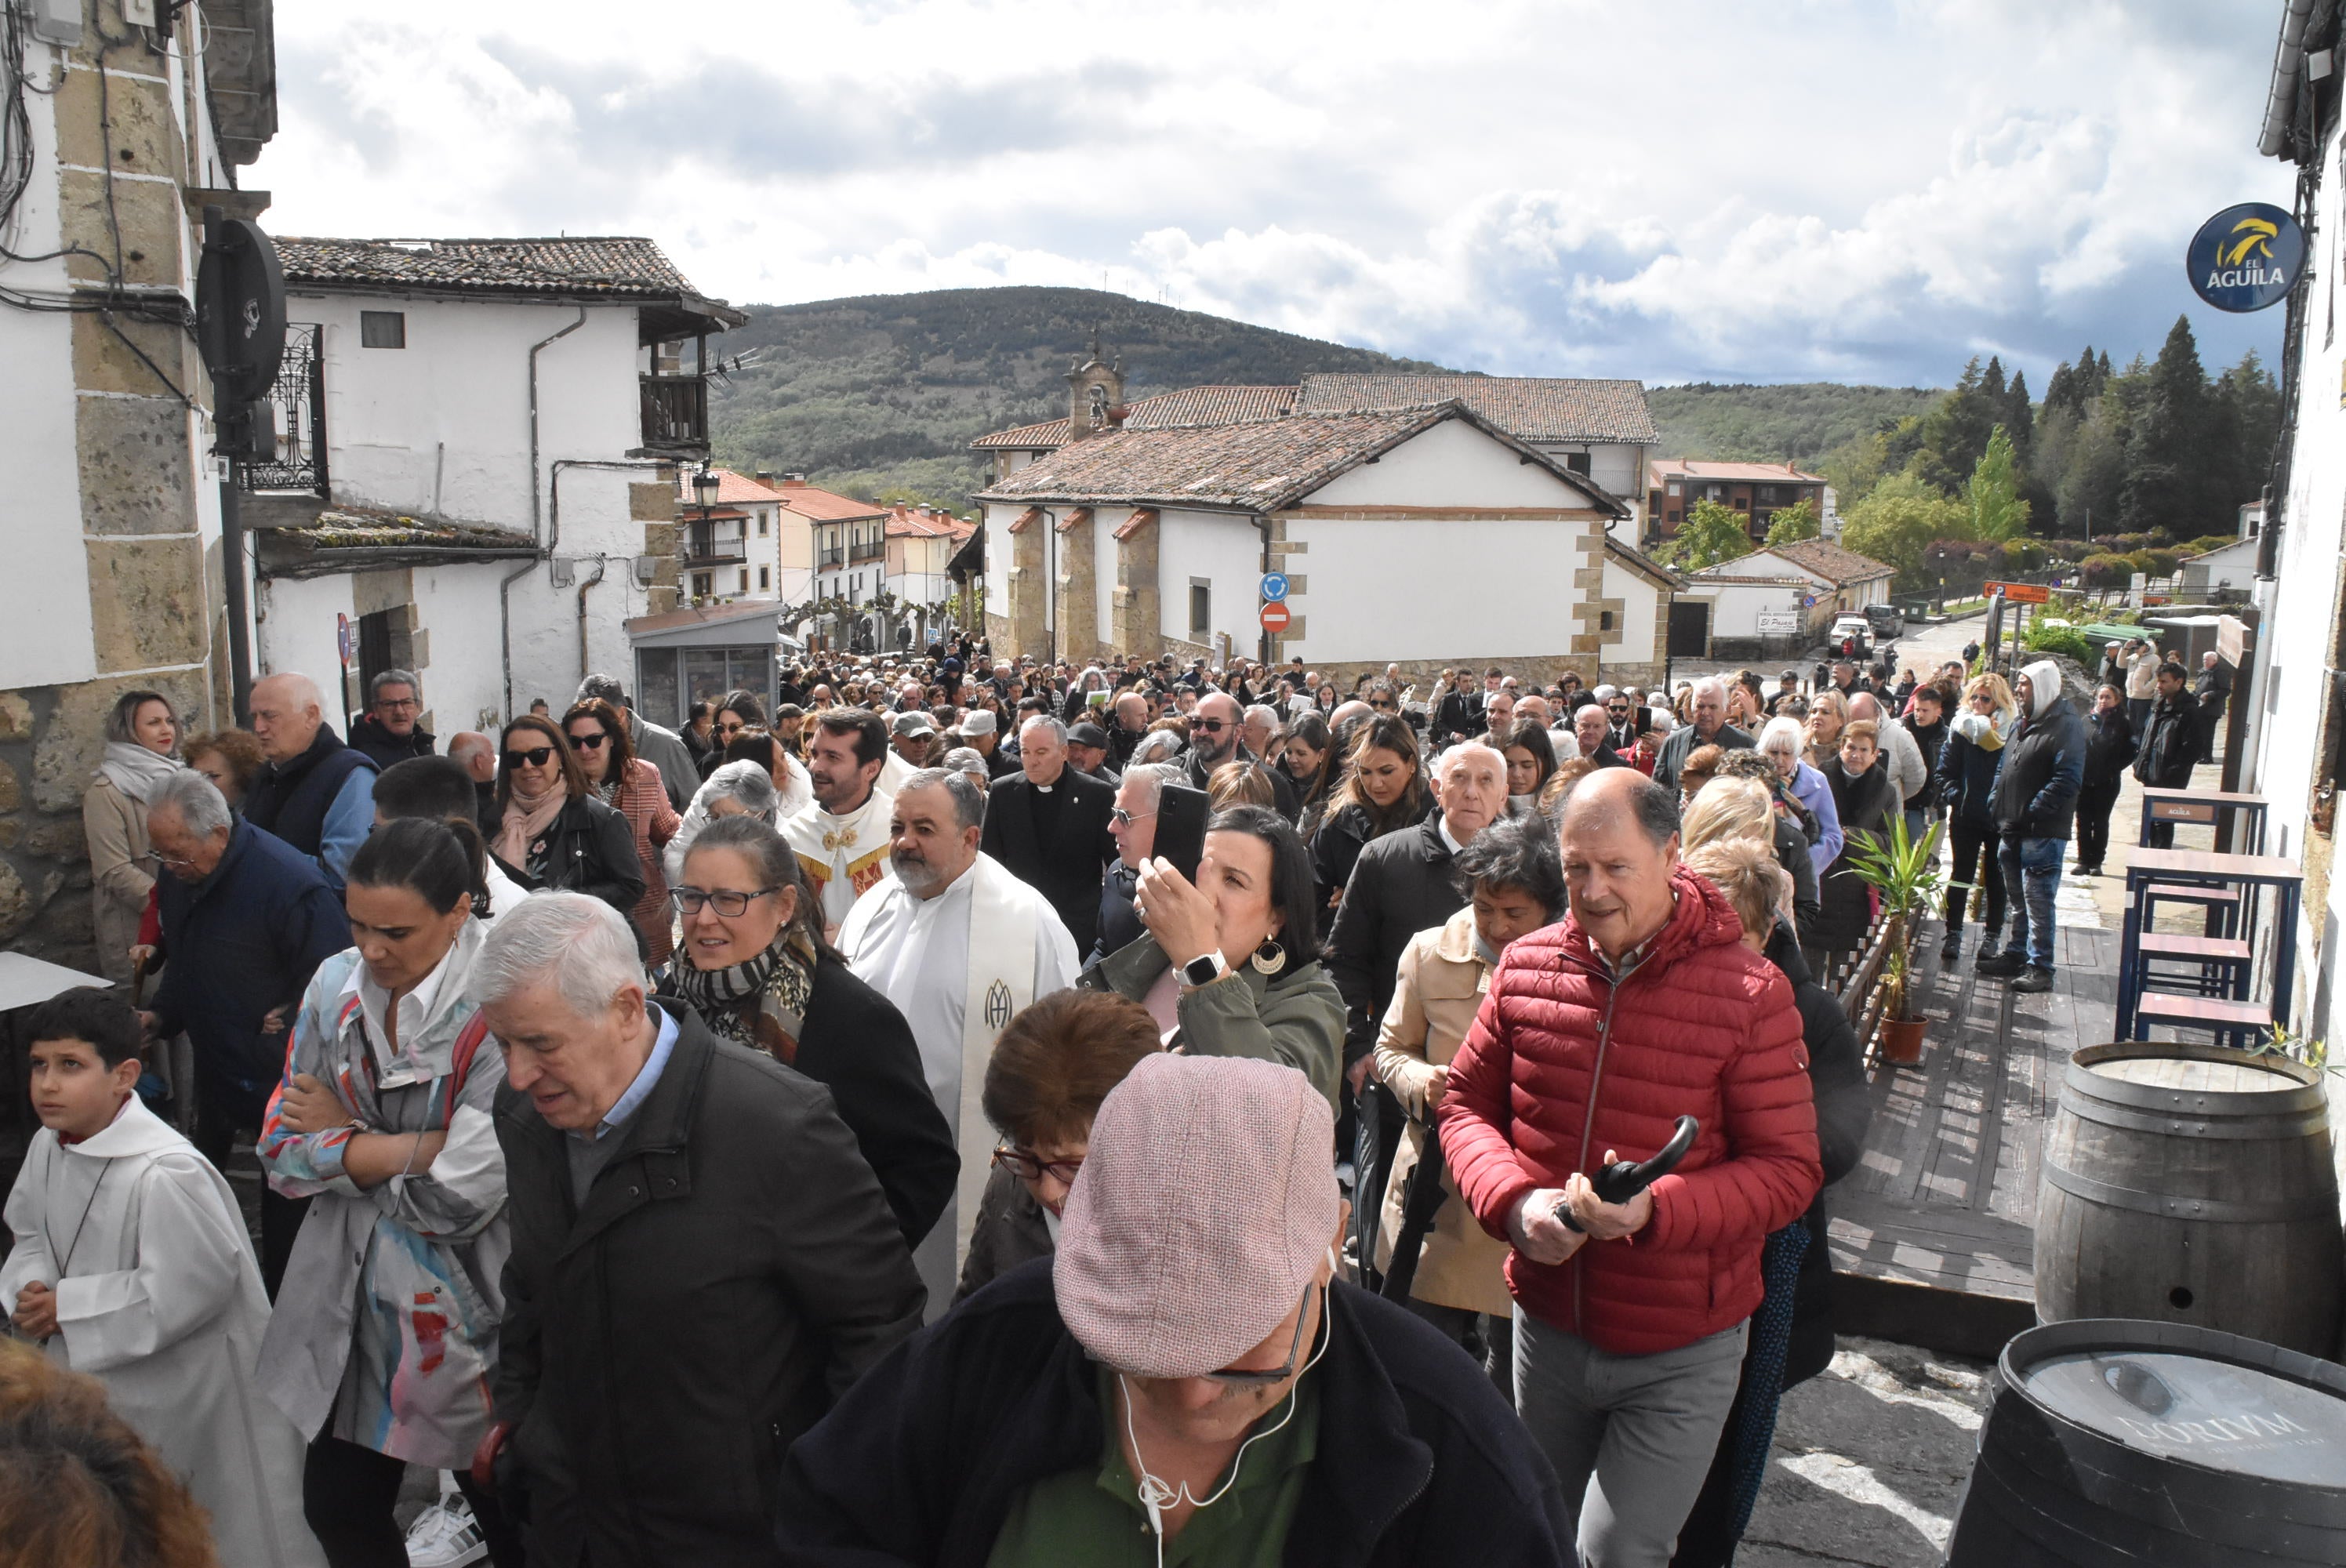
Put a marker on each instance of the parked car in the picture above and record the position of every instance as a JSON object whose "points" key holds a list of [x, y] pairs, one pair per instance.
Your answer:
{"points": [[1852, 636], [1886, 619]]}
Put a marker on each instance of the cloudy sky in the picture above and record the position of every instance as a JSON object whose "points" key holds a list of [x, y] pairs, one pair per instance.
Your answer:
{"points": [[1672, 190]]}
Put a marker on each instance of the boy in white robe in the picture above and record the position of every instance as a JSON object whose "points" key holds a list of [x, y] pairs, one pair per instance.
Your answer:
{"points": [[132, 1263]]}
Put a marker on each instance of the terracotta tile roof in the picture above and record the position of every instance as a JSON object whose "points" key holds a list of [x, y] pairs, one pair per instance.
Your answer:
{"points": [[825, 505], [1191, 405], [1530, 408], [623, 265], [907, 522], [1263, 466], [1639, 561], [733, 490], [1729, 472], [1830, 562], [1142, 516]]}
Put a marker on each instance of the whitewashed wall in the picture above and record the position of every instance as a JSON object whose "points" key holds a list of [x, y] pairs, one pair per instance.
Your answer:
{"points": [[1631, 640], [46, 637], [1454, 465], [1410, 589], [1225, 549], [296, 634]]}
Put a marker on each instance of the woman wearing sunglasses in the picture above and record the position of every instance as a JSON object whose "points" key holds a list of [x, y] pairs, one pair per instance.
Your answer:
{"points": [[546, 827], [755, 967], [632, 787]]}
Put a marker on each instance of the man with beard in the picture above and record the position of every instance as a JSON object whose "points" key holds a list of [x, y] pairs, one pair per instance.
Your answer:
{"points": [[960, 946], [842, 837], [1215, 738]]}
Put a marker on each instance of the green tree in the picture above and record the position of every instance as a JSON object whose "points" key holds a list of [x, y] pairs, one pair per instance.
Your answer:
{"points": [[2167, 457], [1955, 433], [1791, 524], [1992, 491], [2092, 467], [1711, 532], [1898, 521]]}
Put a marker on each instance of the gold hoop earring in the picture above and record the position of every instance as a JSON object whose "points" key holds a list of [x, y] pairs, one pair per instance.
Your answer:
{"points": [[1269, 958]]}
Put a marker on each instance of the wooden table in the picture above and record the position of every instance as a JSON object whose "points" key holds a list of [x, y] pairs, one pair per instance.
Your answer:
{"points": [[2247, 873], [2205, 808]]}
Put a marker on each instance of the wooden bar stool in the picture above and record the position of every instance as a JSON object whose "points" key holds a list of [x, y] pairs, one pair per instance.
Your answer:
{"points": [[2241, 1024], [2202, 965]]}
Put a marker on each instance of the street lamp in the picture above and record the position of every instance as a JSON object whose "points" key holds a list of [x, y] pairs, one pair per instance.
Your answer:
{"points": [[705, 485]]}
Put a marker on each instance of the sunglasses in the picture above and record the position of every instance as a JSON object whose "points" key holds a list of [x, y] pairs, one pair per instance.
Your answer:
{"points": [[1021, 1164], [1384, 706], [1124, 818], [1248, 1378], [589, 742], [734, 728], [1210, 726], [536, 757], [728, 902]]}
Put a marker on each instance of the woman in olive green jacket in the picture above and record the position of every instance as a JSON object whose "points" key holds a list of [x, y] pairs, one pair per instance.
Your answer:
{"points": [[1229, 965]]}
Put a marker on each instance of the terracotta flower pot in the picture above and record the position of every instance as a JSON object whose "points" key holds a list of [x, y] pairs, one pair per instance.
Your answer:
{"points": [[1901, 1041]]}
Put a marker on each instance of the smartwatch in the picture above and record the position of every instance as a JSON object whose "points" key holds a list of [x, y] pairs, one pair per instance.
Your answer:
{"points": [[1203, 970]]}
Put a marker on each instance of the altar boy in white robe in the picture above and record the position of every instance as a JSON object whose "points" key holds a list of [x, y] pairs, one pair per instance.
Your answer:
{"points": [[132, 1263], [960, 946]]}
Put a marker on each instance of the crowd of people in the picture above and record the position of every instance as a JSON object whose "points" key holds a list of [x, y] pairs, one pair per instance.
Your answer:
{"points": [[962, 1110]]}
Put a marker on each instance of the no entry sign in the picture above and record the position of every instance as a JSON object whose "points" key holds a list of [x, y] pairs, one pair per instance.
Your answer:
{"points": [[1275, 618]]}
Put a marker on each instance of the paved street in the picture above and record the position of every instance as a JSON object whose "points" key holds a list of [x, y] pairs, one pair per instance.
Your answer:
{"points": [[1869, 1460]]}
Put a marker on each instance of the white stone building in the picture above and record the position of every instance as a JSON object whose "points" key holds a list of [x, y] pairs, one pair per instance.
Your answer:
{"points": [[122, 135], [480, 443], [1422, 535]]}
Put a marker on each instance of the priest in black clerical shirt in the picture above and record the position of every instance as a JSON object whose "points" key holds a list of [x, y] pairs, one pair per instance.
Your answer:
{"points": [[1047, 824]]}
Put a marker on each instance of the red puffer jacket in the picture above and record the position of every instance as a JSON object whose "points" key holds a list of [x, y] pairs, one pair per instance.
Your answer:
{"points": [[1562, 1066]]}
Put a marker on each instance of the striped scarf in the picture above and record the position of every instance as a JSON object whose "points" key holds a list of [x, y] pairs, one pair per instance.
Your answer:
{"points": [[760, 1001]]}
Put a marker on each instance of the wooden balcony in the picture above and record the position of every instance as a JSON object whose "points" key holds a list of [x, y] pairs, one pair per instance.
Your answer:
{"points": [[709, 545], [675, 413]]}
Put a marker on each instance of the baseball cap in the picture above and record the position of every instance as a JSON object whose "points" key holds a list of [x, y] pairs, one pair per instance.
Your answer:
{"points": [[1205, 1204], [1088, 734], [914, 722], [977, 721]]}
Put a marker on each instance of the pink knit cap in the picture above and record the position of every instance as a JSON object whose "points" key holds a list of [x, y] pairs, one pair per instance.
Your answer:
{"points": [[1205, 1203]]}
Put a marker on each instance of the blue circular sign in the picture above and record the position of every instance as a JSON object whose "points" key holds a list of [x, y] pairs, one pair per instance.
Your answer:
{"points": [[1274, 587], [2246, 257]]}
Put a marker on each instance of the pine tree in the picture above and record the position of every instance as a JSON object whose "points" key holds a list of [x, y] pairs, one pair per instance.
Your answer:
{"points": [[2168, 454], [1955, 432], [1992, 493], [2018, 418], [2061, 392]]}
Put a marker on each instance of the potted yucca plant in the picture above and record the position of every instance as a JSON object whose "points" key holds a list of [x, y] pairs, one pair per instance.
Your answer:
{"points": [[1906, 875]]}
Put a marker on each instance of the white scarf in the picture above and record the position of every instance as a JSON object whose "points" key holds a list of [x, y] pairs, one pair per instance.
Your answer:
{"points": [[134, 769]]}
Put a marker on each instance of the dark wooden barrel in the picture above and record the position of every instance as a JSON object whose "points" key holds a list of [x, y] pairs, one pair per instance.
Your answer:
{"points": [[2192, 1184], [2114, 1443]]}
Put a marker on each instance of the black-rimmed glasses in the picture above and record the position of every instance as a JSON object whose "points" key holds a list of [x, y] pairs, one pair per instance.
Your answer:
{"points": [[589, 742], [1019, 1163], [728, 901]]}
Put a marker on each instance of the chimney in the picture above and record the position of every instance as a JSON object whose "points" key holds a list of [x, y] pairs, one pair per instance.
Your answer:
{"points": [[793, 481], [766, 477]]}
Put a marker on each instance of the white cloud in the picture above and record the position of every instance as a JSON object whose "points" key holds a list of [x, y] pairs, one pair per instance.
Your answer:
{"points": [[1682, 188]]}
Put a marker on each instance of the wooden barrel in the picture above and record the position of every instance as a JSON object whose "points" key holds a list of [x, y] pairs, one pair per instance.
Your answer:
{"points": [[2192, 1184], [2113, 1443]]}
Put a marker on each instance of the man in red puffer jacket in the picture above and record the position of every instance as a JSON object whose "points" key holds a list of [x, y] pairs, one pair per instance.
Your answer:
{"points": [[1595, 1037]]}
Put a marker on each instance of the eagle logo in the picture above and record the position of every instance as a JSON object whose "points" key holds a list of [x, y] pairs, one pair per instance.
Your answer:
{"points": [[2255, 236], [997, 1006]]}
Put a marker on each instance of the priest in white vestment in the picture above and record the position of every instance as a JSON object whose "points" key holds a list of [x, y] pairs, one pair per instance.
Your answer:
{"points": [[842, 839], [960, 946], [132, 1263]]}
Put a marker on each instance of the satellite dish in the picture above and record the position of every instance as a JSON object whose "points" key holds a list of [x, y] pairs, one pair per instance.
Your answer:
{"points": [[240, 310]]}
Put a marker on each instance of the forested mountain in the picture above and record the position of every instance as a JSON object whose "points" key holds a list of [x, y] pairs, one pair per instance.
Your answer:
{"points": [[1794, 424], [879, 397]]}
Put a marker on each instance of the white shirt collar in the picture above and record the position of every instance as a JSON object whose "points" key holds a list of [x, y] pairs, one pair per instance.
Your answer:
{"points": [[416, 1011], [1442, 826]]}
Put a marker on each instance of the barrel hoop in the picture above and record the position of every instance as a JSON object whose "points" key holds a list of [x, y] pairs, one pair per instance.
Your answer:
{"points": [[2093, 1088], [2167, 1206], [2085, 1060], [2279, 1128]]}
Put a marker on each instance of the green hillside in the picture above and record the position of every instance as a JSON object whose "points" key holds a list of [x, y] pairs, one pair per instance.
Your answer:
{"points": [[1796, 423], [879, 397]]}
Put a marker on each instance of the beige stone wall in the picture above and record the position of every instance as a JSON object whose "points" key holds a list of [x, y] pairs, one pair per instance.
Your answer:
{"points": [[156, 601]]}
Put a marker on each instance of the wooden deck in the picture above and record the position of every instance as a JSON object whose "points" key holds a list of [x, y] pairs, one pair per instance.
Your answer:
{"points": [[1933, 1234]]}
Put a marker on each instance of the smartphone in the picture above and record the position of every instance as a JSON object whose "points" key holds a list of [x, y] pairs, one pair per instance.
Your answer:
{"points": [[1182, 815]]}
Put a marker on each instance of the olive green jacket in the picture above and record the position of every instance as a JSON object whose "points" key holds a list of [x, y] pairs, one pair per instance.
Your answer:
{"points": [[1295, 1018]]}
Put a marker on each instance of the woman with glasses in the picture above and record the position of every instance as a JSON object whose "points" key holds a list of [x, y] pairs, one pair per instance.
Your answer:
{"points": [[1966, 786], [548, 829], [1382, 790], [632, 787], [736, 712], [1049, 1071], [755, 967]]}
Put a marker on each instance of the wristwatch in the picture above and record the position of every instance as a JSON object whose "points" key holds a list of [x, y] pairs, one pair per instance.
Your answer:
{"points": [[1203, 970]]}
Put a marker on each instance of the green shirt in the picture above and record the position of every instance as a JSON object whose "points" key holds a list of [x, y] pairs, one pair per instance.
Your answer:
{"points": [[1093, 1514]]}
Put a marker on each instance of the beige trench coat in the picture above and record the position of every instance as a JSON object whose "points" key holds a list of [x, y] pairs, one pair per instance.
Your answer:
{"points": [[1437, 990], [115, 827]]}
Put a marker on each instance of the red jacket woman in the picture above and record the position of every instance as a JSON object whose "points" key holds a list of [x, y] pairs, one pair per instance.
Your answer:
{"points": [[1564, 1062]]}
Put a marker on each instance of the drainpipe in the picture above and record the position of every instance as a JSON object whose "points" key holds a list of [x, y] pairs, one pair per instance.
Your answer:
{"points": [[602, 565], [1262, 638], [545, 548]]}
